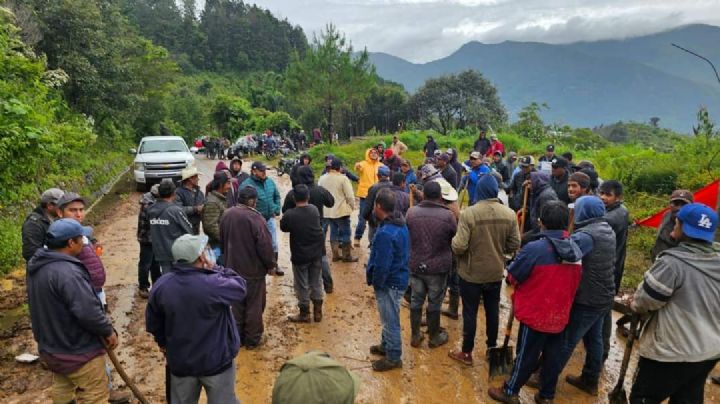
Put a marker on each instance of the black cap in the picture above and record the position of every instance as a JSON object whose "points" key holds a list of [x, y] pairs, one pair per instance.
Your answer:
{"points": [[258, 165], [166, 188], [559, 162], [335, 163], [550, 147]]}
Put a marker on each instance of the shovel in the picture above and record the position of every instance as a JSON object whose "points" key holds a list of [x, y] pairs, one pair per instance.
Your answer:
{"points": [[618, 394], [500, 359]]}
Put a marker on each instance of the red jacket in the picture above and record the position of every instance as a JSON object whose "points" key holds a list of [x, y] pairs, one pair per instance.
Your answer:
{"points": [[494, 147], [546, 274]]}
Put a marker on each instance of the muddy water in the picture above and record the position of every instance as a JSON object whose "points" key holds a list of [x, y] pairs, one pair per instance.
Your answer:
{"points": [[350, 325]]}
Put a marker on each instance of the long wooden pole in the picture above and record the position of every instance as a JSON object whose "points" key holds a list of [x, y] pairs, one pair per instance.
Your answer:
{"points": [[113, 358], [524, 209]]}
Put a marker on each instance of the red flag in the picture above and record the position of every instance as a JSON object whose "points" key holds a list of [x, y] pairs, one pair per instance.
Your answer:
{"points": [[707, 195]]}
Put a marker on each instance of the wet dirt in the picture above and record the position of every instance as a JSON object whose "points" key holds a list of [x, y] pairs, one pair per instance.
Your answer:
{"points": [[350, 325]]}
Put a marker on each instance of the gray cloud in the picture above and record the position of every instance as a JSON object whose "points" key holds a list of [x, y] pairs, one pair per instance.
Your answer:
{"points": [[424, 30]]}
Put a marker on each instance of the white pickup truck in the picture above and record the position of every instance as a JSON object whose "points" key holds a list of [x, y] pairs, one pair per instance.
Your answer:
{"points": [[159, 157]]}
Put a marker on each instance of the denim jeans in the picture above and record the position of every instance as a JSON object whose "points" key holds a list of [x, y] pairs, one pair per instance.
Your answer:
{"points": [[147, 265], [340, 229], [388, 302], [530, 345], [360, 228], [219, 388], [273, 232], [471, 294], [586, 324], [307, 280], [433, 286]]}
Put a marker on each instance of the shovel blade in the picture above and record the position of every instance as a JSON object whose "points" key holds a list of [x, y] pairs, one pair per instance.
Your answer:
{"points": [[617, 396], [500, 361]]}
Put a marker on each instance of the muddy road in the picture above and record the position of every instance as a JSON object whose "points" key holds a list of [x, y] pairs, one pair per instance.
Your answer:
{"points": [[350, 325]]}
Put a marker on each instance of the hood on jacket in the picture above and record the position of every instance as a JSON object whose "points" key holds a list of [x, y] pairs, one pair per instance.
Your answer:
{"points": [[303, 156], [565, 247], [221, 166], [588, 207], [454, 157], [44, 256], [486, 188], [703, 257], [305, 175], [539, 181], [147, 198], [368, 159], [395, 218]]}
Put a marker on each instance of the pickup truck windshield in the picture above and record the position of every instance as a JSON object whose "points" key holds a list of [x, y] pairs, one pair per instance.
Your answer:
{"points": [[163, 146]]}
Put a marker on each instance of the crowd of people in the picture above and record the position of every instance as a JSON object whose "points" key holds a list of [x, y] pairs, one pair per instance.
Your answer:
{"points": [[552, 231]]}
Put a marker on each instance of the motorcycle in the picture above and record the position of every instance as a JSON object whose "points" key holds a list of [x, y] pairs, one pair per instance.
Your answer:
{"points": [[285, 166]]}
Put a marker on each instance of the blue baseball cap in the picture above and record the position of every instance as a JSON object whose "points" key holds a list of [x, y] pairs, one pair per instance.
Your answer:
{"points": [[383, 171], [698, 221], [65, 229]]}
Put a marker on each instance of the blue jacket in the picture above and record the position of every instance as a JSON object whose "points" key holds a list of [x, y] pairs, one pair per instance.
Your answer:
{"points": [[388, 263], [410, 178], [189, 315], [268, 202], [67, 318], [473, 176]]}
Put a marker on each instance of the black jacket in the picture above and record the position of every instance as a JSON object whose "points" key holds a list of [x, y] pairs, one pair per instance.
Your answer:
{"points": [[307, 241], [618, 218], [319, 196], [450, 175], [560, 185], [66, 316], [367, 212], [597, 285], [482, 145], [189, 201], [167, 223], [516, 191], [143, 231], [33, 232]]}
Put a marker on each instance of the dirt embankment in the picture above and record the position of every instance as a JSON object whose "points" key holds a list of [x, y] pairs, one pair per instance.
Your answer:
{"points": [[350, 326]]}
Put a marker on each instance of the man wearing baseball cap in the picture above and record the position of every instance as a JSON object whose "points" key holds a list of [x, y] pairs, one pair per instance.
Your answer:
{"points": [[190, 197], [315, 378], [189, 315], [68, 321], [476, 169], [663, 241], [679, 345], [549, 153], [37, 222], [446, 170], [383, 175], [517, 190]]}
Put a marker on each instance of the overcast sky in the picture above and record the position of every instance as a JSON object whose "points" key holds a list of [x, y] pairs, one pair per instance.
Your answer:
{"points": [[425, 30]]}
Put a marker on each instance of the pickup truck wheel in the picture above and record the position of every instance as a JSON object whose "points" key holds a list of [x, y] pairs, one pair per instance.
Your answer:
{"points": [[140, 187]]}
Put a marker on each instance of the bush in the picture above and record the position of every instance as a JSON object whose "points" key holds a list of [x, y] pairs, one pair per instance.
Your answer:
{"points": [[654, 179]]}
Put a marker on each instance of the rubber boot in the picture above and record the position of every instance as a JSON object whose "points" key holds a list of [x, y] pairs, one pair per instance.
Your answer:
{"points": [[452, 308], [278, 271], [336, 254], [347, 254], [417, 335], [302, 317], [438, 336], [317, 310]]}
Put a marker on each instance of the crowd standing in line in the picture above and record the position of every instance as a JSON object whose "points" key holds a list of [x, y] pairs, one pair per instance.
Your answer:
{"points": [[422, 245]]}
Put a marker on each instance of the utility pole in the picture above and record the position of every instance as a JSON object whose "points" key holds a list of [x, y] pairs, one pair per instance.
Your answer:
{"points": [[717, 76]]}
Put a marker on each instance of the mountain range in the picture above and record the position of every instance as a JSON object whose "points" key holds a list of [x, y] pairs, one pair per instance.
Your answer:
{"points": [[588, 83]]}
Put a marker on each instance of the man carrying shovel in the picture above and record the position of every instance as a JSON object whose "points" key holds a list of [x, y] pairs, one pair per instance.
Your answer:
{"points": [[546, 274], [681, 342]]}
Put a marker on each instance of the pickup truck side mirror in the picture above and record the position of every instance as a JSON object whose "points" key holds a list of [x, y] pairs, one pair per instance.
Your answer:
{"points": [[132, 151]]}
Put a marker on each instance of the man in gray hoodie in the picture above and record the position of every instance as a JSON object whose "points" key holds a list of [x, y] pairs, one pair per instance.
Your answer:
{"points": [[681, 342]]}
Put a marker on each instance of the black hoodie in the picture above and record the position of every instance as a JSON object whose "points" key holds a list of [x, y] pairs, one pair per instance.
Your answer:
{"points": [[319, 196], [67, 317], [294, 178]]}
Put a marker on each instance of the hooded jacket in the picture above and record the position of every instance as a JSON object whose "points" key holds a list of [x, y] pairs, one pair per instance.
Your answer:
{"points": [[189, 315], [67, 318], [596, 240], [367, 174], [487, 231], [560, 186], [294, 177], [214, 207], [33, 232], [367, 211], [542, 193], [546, 274], [246, 242], [319, 197], [307, 241], [432, 227], [268, 200], [618, 218], [681, 290], [167, 223], [387, 267], [472, 178], [430, 147], [189, 200], [143, 231], [341, 190], [456, 166], [482, 145]]}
